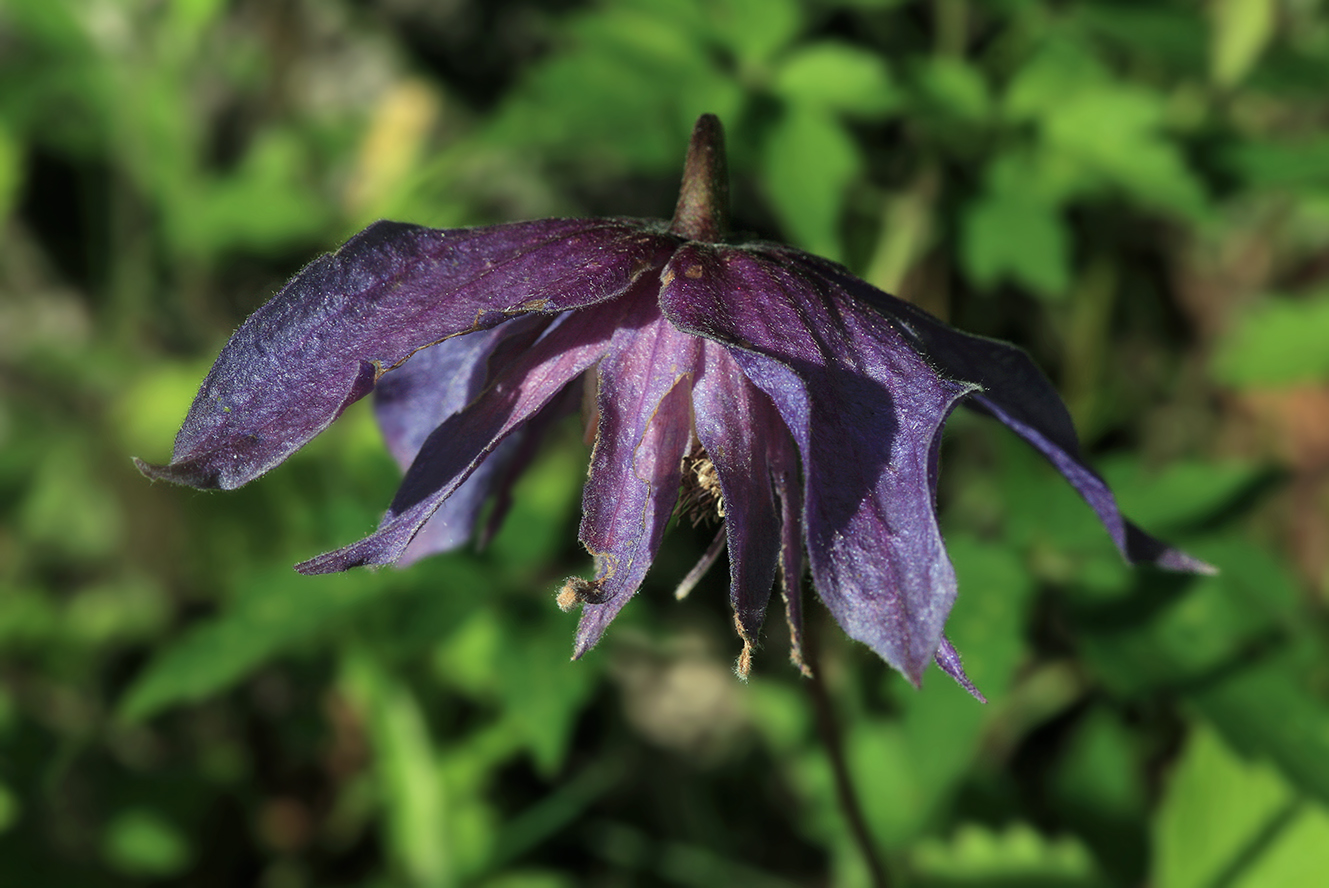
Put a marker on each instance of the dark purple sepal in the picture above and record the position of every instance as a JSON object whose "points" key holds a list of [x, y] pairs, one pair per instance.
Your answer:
{"points": [[948, 659], [453, 451], [864, 409], [413, 400], [644, 428], [1016, 392], [322, 341], [734, 421]]}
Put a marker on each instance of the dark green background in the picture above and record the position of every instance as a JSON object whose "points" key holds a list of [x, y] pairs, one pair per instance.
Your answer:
{"points": [[1137, 193]]}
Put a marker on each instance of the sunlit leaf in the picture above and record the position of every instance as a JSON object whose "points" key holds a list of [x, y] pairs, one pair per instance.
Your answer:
{"points": [[838, 76], [1215, 809], [810, 161], [1241, 29]]}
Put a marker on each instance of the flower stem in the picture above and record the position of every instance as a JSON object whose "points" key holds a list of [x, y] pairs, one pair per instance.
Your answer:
{"points": [[702, 213], [844, 785]]}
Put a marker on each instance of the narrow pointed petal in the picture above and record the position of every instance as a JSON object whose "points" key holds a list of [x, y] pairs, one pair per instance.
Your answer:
{"points": [[322, 342], [645, 424], [948, 658], [864, 409], [454, 450], [436, 382], [734, 421], [454, 523], [1016, 392]]}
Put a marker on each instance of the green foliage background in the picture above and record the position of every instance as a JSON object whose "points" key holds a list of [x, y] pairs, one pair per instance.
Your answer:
{"points": [[1136, 192]]}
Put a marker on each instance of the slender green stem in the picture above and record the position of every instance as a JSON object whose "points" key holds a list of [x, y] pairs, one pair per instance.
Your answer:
{"points": [[832, 740]]}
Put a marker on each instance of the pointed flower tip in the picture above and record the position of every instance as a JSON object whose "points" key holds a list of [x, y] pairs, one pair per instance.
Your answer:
{"points": [[185, 473], [1177, 560], [703, 201]]}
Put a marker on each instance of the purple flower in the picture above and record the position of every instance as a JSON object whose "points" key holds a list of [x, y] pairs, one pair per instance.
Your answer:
{"points": [[770, 388]]}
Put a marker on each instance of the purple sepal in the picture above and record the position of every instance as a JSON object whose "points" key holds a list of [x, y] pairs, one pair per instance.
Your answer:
{"points": [[644, 428], [1016, 392], [413, 400], [734, 420], [323, 340], [864, 409], [948, 658], [453, 451]]}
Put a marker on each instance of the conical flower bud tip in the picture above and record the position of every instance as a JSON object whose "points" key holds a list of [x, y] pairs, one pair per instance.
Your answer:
{"points": [[703, 202]]}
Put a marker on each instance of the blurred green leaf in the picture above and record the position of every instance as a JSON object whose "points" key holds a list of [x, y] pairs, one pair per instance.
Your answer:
{"points": [[1016, 855], [956, 87], [10, 808], [754, 30], [412, 791], [1016, 235], [1266, 711], [1215, 809], [68, 508], [1178, 494], [810, 161], [1241, 29], [1268, 164], [139, 842], [838, 76], [995, 591], [273, 612], [11, 160], [1297, 855], [1280, 343], [1116, 132]]}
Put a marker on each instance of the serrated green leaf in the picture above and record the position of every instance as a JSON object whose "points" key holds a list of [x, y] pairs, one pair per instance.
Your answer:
{"points": [[1281, 343], [1216, 805], [838, 76], [1018, 854], [1015, 235], [1266, 711]]}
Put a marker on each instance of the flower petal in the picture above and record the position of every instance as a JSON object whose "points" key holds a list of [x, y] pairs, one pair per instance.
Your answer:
{"points": [[735, 421], [322, 342], [864, 409], [413, 400], [644, 429], [948, 658], [453, 451], [1014, 391]]}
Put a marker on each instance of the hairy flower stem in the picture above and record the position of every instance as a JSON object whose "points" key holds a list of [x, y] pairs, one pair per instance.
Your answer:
{"points": [[702, 213], [831, 739]]}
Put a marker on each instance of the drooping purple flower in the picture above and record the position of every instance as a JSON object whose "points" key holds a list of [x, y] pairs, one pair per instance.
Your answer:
{"points": [[773, 389]]}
